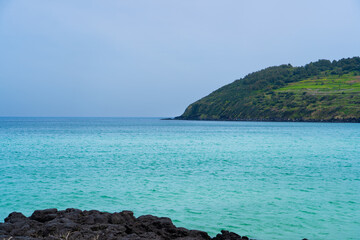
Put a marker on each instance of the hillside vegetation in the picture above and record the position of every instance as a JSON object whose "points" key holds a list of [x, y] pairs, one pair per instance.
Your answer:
{"points": [[318, 91]]}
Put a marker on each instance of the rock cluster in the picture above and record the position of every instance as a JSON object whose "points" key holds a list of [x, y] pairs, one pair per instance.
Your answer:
{"points": [[71, 223]]}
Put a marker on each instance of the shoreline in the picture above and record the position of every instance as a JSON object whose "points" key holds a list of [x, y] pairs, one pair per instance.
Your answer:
{"points": [[265, 120]]}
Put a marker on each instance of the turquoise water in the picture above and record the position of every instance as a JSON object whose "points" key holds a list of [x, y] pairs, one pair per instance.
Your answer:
{"points": [[265, 180]]}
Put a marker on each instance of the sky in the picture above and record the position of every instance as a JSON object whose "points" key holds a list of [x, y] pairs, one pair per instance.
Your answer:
{"points": [[144, 58]]}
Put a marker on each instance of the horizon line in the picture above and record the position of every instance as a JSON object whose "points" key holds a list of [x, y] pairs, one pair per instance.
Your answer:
{"points": [[79, 117]]}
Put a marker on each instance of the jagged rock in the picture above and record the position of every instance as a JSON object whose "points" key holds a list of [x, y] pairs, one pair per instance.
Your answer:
{"points": [[51, 224], [44, 215], [226, 235]]}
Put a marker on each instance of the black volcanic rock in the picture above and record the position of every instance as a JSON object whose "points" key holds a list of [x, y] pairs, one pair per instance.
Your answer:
{"points": [[44, 215], [226, 235], [72, 223]]}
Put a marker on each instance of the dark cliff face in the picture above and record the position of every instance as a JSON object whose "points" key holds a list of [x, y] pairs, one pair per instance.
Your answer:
{"points": [[319, 91], [76, 224]]}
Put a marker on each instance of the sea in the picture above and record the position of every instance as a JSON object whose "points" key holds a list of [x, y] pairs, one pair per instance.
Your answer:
{"points": [[265, 180]]}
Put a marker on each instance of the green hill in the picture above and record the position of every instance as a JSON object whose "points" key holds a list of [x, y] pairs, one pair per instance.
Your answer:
{"points": [[318, 91]]}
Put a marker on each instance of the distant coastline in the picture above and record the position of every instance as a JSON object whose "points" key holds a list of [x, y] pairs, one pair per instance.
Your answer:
{"points": [[270, 120], [322, 91]]}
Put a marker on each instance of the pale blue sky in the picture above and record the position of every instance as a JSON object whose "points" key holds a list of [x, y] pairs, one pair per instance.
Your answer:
{"points": [[154, 58]]}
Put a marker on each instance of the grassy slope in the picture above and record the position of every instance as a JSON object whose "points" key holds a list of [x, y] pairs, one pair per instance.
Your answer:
{"points": [[327, 85], [324, 97], [328, 98]]}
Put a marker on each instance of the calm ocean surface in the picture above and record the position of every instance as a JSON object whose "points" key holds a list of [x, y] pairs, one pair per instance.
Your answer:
{"points": [[264, 180]]}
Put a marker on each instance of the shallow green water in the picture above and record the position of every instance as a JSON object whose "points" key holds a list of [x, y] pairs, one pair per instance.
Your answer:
{"points": [[264, 180]]}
